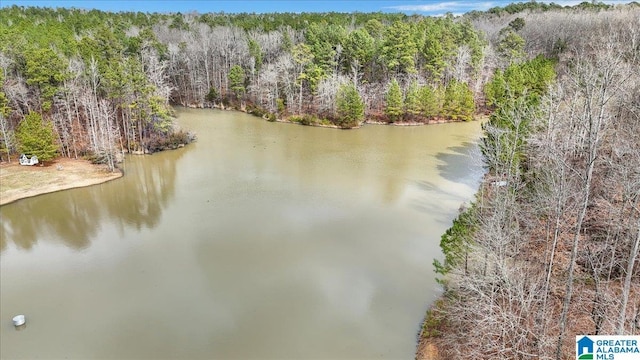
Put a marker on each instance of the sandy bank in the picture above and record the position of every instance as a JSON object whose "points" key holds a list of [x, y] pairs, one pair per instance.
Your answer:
{"points": [[19, 182]]}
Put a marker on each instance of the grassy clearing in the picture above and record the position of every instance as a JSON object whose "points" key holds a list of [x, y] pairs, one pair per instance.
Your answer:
{"points": [[18, 182]]}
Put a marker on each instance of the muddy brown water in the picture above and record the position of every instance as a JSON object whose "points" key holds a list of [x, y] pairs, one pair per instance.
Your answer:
{"points": [[260, 240]]}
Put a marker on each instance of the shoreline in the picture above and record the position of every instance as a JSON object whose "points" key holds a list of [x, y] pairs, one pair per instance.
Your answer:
{"points": [[20, 182], [426, 349], [427, 346], [480, 116]]}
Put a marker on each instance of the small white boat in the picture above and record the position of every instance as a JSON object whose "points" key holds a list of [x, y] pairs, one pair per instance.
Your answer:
{"points": [[19, 320]]}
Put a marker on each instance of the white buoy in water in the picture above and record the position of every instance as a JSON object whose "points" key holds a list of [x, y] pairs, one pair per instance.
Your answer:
{"points": [[19, 320]]}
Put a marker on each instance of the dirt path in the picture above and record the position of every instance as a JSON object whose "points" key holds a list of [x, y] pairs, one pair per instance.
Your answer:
{"points": [[18, 182]]}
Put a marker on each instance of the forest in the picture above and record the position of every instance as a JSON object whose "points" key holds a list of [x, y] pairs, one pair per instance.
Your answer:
{"points": [[103, 82], [549, 247]]}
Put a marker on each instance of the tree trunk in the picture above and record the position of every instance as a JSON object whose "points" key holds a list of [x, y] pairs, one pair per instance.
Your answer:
{"points": [[627, 283]]}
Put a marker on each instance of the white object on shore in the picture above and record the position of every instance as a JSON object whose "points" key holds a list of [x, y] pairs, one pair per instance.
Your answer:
{"points": [[19, 320], [24, 160]]}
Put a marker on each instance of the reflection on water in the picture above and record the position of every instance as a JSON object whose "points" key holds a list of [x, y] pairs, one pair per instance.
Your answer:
{"points": [[260, 240], [71, 217], [458, 161], [75, 217]]}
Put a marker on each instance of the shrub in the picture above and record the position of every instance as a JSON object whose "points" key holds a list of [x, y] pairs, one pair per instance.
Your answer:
{"points": [[173, 141], [433, 320], [213, 95]]}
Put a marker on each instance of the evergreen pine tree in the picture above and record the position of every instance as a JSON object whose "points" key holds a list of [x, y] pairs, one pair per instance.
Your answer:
{"points": [[412, 100], [236, 78], [395, 107], [36, 137], [350, 106]]}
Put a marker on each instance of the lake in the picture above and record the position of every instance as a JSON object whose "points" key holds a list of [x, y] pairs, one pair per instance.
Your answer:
{"points": [[260, 240]]}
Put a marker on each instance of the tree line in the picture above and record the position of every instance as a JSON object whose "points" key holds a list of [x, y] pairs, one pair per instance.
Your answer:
{"points": [[105, 80], [297, 71]]}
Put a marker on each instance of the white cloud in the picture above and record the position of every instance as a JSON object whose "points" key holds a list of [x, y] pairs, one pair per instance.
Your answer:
{"points": [[576, 2], [460, 7], [454, 14], [448, 6]]}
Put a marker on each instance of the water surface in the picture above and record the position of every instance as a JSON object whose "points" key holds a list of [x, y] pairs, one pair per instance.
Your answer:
{"points": [[260, 240]]}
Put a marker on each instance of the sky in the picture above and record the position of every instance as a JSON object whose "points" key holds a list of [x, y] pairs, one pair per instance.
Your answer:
{"points": [[428, 7]]}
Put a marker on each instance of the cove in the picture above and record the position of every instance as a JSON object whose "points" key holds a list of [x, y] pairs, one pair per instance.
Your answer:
{"points": [[260, 240]]}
